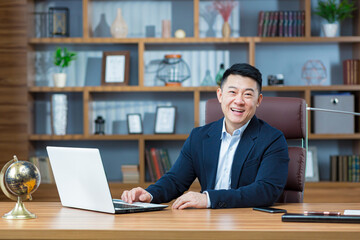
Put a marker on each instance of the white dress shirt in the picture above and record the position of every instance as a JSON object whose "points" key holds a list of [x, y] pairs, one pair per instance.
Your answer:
{"points": [[228, 147]]}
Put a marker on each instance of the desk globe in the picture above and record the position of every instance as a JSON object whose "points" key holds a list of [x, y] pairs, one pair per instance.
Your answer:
{"points": [[18, 180]]}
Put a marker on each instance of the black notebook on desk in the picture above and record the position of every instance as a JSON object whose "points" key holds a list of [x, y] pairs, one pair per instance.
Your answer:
{"points": [[292, 217]]}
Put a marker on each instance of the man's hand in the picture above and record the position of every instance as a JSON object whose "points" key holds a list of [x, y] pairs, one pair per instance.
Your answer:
{"points": [[191, 199], [136, 195]]}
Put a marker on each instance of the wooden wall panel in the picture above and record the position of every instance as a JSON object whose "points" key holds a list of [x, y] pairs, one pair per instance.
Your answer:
{"points": [[13, 69]]}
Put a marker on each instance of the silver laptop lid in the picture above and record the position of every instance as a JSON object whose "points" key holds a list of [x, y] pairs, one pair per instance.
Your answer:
{"points": [[80, 178]]}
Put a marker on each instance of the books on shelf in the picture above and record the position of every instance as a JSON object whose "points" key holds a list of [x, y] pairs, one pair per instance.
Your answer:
{"points": [[130, 173], [344, 168], [281, 24], [157, 163], [43, 164], [351, 71]]}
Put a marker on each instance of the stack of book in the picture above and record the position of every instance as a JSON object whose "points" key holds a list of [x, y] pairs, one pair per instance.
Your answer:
{"points": [[281, 24], [43, 164], [157, 163], [344, 168], [130, 173], [351, 74]]}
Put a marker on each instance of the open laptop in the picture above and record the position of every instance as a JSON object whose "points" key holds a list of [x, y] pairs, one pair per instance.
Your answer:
{"points": [[81, 182]]}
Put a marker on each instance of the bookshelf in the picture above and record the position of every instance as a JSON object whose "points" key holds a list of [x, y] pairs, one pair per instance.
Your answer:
{"points": [[248, 48]]}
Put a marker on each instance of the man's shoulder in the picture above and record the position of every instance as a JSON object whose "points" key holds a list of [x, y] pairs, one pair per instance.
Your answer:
{"points": [[208, 128]]}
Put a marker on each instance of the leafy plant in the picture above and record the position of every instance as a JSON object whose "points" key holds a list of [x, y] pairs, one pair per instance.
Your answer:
{"points": [[63, 57], [333, 12]]}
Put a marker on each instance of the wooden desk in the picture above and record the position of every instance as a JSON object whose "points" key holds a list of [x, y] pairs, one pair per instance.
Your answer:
{"points": [[57, 222]]}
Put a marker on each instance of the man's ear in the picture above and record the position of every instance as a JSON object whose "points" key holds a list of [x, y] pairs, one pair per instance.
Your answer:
{"points": [[259, 100], [219, 94]]}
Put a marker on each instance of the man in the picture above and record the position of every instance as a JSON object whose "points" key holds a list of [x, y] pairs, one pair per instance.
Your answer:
{"points": [[240, 160]]}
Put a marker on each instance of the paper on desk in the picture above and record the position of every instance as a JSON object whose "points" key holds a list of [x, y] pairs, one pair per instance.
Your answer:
{"points": [[352, 212]]}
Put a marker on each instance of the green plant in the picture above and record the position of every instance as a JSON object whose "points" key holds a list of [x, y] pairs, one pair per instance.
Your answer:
{"points": [[333, 12], [63, 57]]}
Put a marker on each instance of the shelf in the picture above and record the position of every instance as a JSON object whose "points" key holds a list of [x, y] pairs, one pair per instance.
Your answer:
{"points": [[189, 89], [348, 39], [44, 137], [355, 136]]}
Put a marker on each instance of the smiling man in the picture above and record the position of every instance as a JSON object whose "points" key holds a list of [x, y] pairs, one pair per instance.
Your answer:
{"points": [[240, 160]]}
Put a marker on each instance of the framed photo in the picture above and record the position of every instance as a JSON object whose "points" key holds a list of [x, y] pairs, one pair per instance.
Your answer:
{"points": [[115, 68], [165, 119], [134, 123], [312, 168]]}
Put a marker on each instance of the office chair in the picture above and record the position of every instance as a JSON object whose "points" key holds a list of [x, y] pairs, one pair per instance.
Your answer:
{"points": [[289, 116]]}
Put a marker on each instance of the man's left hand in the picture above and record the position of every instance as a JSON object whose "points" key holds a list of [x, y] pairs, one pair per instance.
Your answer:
{"points": [[191, 200]]}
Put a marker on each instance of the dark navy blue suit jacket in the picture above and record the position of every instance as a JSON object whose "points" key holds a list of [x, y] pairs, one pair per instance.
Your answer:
{"points": [[258, 173]]}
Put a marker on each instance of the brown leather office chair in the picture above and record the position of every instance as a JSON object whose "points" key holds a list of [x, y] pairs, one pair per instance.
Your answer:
{"points": [[289, 116]]}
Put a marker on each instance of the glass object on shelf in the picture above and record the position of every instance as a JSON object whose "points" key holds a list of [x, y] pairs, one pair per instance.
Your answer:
{"points": [[173, 70], [314, 72], [209, 13], [103, 28], [99, 125], [208, 80], [59, 21], [119, 28], [220, 74]]}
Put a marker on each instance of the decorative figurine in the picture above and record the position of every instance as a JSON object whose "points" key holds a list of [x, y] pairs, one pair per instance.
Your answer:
{"points": [[99, 126]]}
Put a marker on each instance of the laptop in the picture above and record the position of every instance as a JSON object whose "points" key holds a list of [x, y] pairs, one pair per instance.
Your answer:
{"points": [[81, 182]]}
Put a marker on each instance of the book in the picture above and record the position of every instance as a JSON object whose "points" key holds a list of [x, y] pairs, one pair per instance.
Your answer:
{"points": [[266, 23], [149, 166], [156, 163], [281, 24], [260, 23]]}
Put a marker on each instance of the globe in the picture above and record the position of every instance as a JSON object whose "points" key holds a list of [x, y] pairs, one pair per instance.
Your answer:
{"points": [[22, 178], [18, 180]]}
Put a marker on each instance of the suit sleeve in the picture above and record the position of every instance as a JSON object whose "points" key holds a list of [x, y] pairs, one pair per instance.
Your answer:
{"points": [[176, 181], [269, 182]]}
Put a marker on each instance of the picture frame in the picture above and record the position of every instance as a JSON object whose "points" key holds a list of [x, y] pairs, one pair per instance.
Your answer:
{"points": [[165, 120], [312, 168], [134, 123], [115, 68]]}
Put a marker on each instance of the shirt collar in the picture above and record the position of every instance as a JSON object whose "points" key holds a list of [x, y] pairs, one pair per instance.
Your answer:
{"points": [[237, 132]]}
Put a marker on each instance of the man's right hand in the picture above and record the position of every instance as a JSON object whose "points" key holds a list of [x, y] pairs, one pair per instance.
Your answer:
{"points": [[136, 195]]}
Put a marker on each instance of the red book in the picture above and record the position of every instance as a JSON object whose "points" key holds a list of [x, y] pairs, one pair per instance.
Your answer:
{"points": [[260, 23], [156, 163]]}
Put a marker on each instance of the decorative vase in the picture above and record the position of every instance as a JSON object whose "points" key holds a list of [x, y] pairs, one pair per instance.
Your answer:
{"points": [[119, 28], [103, 28], [59, 79], [59, 114], [226, 30], [330, 29]]}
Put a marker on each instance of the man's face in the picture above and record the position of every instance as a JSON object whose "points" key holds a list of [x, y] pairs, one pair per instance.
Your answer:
{"points": [[239, 98]]}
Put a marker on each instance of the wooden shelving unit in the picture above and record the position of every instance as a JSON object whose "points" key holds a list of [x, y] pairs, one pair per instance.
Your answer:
{"points": [[251, 42]]}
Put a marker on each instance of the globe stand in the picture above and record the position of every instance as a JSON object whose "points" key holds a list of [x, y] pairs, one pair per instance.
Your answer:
{"points": [[19, 212], [27, 187]]}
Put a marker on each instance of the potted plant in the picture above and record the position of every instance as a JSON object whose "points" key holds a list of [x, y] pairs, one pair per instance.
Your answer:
{"points": [[334, 12], [62, 59]]}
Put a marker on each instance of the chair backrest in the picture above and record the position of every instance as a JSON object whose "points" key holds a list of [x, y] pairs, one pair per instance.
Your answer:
{"points": [[289, 116]]}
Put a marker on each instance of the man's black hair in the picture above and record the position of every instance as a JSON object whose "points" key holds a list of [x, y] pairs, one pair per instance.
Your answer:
{"points": [[245, 70]]}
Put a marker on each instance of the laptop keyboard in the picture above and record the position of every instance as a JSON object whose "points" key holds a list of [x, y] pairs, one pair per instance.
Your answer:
{"points": [[125, 206]]}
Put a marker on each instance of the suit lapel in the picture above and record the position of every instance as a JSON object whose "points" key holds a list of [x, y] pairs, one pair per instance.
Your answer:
{"points": [[211, 149], [245, 145]]}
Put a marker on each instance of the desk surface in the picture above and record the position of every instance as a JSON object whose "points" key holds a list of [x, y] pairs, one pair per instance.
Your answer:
{"points": [[56, 222]]}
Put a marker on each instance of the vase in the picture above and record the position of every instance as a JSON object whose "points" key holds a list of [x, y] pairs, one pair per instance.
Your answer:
{"points": [[330, 29], [103, 28], [59, 79], [119, 28], [226, 30], [59, 114]]}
